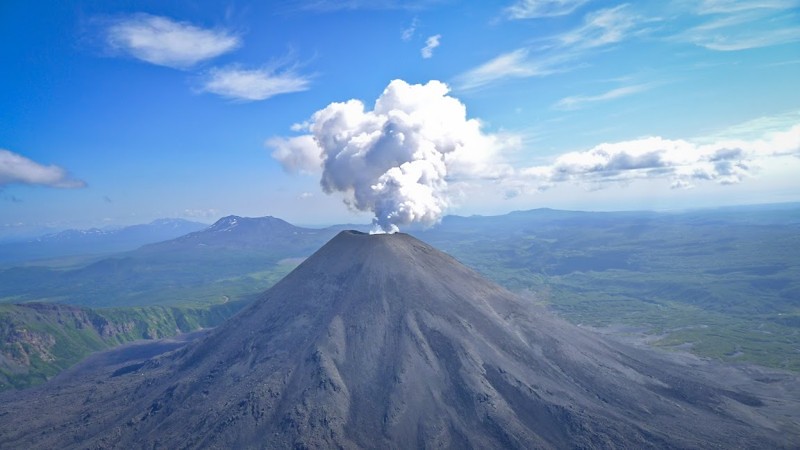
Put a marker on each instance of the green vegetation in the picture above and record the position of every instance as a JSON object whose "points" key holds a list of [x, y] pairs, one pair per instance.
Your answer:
{"points": [[39, 340]]}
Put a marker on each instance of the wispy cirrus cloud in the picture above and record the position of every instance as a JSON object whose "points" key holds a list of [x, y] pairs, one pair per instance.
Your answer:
{"points": [[579, 101], [339, 5], [744, 40], [162, 41], [514, 64], [17, 169], [719, 25], [408, 33], [533, 9], [602, 27], [253, 84], [754, 129], [734, 25], [735, 6], [599, 29], [430, 44]]}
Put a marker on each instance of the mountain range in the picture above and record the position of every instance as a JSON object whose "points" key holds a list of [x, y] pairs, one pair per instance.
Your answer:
{"points": [[720, 283], [197, 267], [382, 341]]}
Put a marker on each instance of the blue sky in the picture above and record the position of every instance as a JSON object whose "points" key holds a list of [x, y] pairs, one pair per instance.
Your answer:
{"points": [[122, 112]]}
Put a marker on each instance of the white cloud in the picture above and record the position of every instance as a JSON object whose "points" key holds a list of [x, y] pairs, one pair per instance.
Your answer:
{"points": [[579, 101], [253, 84], [161, 41], [430, 44], [531, 9], [399, 159], [682, 162], [297, 154], [17, 169]]}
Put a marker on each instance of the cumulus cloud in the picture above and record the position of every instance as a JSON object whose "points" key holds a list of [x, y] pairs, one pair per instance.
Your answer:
{"points": [[399, 159], [254, 84], [430, 44], [532, 9], [682, 162], [162, 41], [17, 169]]}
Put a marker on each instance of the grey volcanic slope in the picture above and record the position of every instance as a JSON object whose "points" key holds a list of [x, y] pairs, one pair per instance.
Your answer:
{"points": [[384, 342]]}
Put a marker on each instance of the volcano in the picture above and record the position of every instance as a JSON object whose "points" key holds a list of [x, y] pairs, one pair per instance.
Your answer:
{"points": [[382, 341]]}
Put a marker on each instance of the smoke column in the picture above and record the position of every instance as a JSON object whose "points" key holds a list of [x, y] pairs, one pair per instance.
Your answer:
{"points": [[395, 160]]}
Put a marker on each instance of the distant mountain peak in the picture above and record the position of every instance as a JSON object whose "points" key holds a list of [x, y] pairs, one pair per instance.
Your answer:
{"points": [[225, 224], [228, 223], [250, 233]]}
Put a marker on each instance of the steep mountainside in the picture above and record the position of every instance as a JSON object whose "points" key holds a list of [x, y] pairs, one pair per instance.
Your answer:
{"points": [[385, 342]]}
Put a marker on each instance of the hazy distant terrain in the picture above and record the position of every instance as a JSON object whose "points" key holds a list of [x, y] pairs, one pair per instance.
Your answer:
{"points": [[723, 283], [94, 241]]}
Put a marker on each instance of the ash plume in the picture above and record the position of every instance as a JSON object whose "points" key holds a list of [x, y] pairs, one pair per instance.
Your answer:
{"points": [[397, 160]]}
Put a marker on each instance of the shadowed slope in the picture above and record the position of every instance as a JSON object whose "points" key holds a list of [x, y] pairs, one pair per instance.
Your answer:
{"points": [[382, 341]]}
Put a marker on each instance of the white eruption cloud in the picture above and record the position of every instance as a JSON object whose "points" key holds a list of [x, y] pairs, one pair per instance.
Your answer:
{"points": [[397, 160], [296, 154]]}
